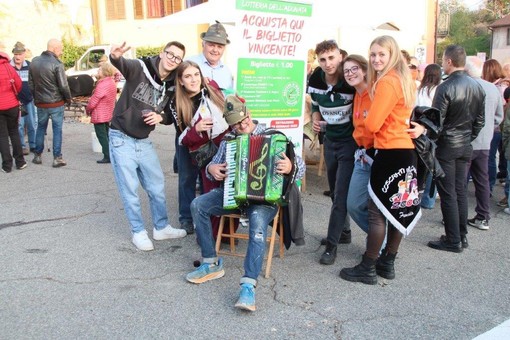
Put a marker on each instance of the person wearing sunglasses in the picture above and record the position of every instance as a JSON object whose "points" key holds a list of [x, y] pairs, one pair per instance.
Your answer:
{"points": [[332, 100], [149, 84]]}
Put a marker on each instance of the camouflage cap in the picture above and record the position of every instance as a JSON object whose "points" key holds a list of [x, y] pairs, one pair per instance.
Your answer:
{"points": [[235, 109]]}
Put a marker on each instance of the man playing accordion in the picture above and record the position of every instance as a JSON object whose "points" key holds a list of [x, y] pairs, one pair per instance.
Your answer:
{"points": [[259, 214]]}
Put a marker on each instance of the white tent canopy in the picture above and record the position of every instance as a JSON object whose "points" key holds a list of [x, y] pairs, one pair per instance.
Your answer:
{"points": [[205, 13], [324, 12]]}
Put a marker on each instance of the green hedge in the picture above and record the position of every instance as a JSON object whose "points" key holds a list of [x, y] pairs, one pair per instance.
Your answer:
{"points": [[72, 52], [147, 51]]}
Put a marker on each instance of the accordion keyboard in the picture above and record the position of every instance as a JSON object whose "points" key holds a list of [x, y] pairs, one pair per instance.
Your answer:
{"points": [[229, 189]]}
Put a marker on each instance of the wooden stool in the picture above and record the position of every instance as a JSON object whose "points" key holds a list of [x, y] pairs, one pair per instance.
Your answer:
{"points": [[277, 224]]}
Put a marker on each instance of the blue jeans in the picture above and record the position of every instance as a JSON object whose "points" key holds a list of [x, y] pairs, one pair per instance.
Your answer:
{"points": [[259, 216], [357, 198], [135, 162], [30, 122], [188, 173], [496, 140], [428, 202], [339, 157], [57, 120]]}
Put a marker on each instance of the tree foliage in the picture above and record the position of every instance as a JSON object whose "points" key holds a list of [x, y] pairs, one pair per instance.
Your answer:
{"points": [[470, 28], [499, 8], [71, 53]]}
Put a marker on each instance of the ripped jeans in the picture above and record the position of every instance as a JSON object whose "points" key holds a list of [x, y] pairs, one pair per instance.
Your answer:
{"points": [[259, 217]]}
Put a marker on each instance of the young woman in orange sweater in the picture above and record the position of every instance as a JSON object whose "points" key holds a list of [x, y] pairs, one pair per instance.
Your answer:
{"points": [[393, 186], [355, 69]]}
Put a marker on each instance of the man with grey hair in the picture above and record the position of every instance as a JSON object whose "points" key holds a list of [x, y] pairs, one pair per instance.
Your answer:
{"points": [[29, 121], [214, 43], [478, 166]]}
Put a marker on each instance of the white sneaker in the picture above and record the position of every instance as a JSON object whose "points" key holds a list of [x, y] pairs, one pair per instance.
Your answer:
{"points": [[168, 232], [507, 211], [142, 241]]}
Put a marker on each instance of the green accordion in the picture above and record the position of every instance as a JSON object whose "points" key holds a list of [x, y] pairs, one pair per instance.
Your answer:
{"points": [[251, 170]]}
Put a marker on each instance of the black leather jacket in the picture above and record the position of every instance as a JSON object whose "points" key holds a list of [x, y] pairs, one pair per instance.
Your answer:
{"points": [[47, 79], [461, 102]]}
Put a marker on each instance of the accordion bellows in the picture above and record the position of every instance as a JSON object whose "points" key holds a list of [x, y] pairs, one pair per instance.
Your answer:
{"points": [[251, 168]]}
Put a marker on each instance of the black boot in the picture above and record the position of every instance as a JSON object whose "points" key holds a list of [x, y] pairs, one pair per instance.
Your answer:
{"points": [[363, 272], [329, 255], [385, 265]]}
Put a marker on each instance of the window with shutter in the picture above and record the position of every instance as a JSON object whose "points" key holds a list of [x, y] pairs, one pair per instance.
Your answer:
{"points": [[115, 10], [138, 9], [172, 6]]}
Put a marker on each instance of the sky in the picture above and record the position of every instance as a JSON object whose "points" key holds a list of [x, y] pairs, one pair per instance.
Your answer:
{"points": [[473, 4]]}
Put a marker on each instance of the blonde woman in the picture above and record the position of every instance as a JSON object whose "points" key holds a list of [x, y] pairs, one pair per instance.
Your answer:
{"points": [[100, 106], [393, 188]]}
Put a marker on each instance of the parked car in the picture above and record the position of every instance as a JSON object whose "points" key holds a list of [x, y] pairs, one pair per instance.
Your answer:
{"points": [[88, 63]]}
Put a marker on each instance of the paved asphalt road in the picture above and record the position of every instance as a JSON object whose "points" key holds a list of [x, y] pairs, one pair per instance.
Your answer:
{"points": [[69, 270]]}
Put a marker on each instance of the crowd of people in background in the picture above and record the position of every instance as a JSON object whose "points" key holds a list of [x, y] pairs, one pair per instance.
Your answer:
{"points": [[362, 107]]}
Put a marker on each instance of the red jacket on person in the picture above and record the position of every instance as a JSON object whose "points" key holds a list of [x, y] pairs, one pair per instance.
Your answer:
{"points": [[102, 102], [8, 76]]}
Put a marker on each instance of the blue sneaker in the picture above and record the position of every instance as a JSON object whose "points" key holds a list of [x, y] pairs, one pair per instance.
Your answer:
{"points": [[246, 299], [206, 272]]}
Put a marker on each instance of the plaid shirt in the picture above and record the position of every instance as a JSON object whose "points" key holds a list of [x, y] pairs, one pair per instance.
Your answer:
{"points": [[220, 156]]}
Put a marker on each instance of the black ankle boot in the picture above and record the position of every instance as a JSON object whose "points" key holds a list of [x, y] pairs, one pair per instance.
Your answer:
{"points": [[363, 272], [329, 255], [385, 265]]}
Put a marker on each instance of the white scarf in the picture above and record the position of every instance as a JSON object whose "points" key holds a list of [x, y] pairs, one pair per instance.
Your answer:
{"points": [[207, 109]]}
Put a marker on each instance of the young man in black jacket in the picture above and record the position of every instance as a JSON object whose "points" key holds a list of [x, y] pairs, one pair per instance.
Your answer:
{"points": [[132, 154]]}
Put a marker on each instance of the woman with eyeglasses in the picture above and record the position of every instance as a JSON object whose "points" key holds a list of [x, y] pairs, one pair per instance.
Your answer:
{"points": [[199, 114], [394, 198], [355, 73]]}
